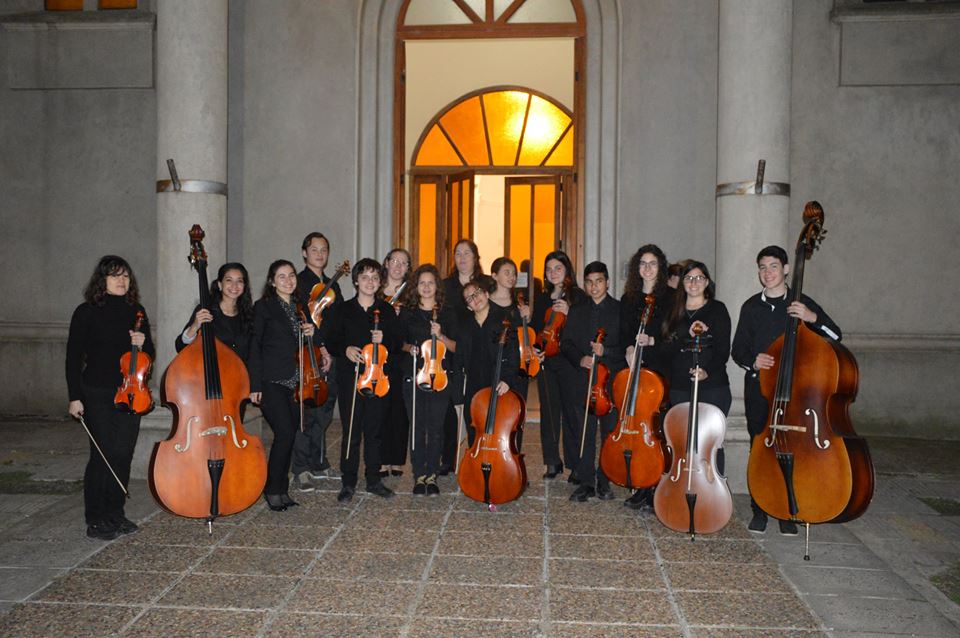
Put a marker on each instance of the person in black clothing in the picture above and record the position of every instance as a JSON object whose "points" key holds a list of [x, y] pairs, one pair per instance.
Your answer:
{"points": [[396, 427], [347, 331], [423, 298], [231, 315], [274, 374], [557, 379], [504, 272], [763, 318], [478, 344], [466, 267], [647, 274], [696, 306], [310, 462], [101, 331], [578, 346]]}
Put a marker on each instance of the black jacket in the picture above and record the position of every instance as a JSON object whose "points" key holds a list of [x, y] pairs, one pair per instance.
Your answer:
{"points": [[631, 310], [582, 325], [273, 345], [478, 347], [350, 325], [716, 351]]}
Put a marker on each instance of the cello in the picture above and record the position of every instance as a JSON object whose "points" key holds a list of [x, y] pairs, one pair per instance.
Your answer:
{"points": [[693, 496], [374, 381], [312, 391], [809, 435], [632, 454], [492, 470], [209, 466], [133, 395], [322, 296], [526, 337], [432, 375]]}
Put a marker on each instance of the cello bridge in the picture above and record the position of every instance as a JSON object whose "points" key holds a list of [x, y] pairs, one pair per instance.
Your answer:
{"points": [[215, 431], [789, 428]]}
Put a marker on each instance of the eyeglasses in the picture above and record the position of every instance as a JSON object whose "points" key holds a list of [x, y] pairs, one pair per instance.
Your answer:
{"points": [[472, 297], [396, 261], [694, 279], [649, 264]]}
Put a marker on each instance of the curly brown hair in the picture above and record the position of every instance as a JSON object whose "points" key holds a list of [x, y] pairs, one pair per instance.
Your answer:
{"points": [[411, 296], [96, 289]]}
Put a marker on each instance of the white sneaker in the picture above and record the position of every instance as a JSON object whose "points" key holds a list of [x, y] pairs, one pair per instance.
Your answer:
{"points": [[301, 482]]}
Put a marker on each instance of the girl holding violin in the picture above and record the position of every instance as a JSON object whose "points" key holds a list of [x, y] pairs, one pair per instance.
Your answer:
{"points": [[582, 349], [557, 379], [424, 317], [478, 344], [647, 274], [363, 321], [504, 271], [101, 332], [275, 374], [232, 315], [396, 427]]}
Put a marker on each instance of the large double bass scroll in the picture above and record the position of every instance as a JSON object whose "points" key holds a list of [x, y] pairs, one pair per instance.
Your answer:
{"points": [[808, 464], [209, 466]]}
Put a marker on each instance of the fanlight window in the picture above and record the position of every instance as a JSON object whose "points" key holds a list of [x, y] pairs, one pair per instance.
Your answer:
{"points": [[421, 12], [499, 128]]}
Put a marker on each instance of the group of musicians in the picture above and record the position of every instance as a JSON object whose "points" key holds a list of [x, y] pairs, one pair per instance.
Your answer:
{"points": [[401, 306]]}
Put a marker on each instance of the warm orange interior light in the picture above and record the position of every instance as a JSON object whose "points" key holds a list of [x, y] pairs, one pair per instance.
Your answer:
{"points": [[428, 223]]}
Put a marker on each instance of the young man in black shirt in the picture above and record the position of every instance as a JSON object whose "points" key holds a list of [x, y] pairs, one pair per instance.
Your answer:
{"points": [[763, 318]]}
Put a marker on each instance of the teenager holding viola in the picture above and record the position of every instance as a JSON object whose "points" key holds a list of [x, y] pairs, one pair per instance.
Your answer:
{"points": [[424, 298], [101, 331], [647, 274], [274, 373], [557, 382], [346, 331], [396, 427]]}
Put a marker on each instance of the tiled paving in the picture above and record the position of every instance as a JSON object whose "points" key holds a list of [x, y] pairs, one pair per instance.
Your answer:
{"points": [[445, 566]]}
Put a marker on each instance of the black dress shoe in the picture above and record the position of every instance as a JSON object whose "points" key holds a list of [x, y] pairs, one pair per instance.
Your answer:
{"points": [[124, 525], [788, 528], [420, 487], [573, 479], [379, 489], [582, 493], [346, 494], [103, 531], [604, 493], [758, 524], [287, 501], [444, 469], [553, 471], [275, 503], [641, 499]]}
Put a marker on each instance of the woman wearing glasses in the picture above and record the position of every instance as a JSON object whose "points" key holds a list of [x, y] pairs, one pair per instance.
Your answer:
{"points": [[396, 428], [697, 305]]}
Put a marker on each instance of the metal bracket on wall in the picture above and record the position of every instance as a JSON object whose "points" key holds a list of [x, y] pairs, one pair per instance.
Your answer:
{"points": [[755, 187], [177, 185]]}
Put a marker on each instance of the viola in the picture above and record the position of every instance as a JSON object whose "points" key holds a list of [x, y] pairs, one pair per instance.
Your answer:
{"points": [[599, 402], [492, 471], [209, 466], [808, 435], [133, 395], [553, 323], [322, 295], [529, 361], [632, 455], [373, 381], [312, 391], [432, 375], [693, 496]]}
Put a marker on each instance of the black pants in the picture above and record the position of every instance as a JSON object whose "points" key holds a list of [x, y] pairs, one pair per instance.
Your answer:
{"points": [[427, 427], [756, 408], [396, 427], [283, 417], [451, 422], [116, 433], [310, 445], [587, 468], [368, 415], [556, 383]]}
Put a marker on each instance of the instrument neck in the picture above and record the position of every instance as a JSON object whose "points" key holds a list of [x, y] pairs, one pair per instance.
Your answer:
{"points": [[211, 369], [492, 408]]}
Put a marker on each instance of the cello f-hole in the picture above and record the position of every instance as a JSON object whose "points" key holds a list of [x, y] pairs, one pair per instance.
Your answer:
{"points": [[770, 440], [816, 429]]}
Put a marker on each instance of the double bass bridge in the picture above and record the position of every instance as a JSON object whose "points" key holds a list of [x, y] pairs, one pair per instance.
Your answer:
{"points": [[783, 427], [217, 430]]}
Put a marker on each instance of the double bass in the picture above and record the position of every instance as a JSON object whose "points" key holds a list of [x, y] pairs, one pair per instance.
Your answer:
{"points": [[808, 465], [133, 395], [632, 454], [209, 466], [492, 470], [693, 496]]}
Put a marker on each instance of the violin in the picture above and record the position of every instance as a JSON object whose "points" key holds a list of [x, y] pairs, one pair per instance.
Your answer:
{"points": [[808, 464], [312, 391], [632, 455], [599, 401], [374, 381], [322, 295], [529, 361], [209, 466], [432, 375], [693, 496], [492, 471], [133, 395], [553, 323]]}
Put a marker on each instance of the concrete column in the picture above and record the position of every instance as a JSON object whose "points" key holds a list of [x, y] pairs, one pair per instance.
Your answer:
{"points": [[192, 130], [753, 123]]}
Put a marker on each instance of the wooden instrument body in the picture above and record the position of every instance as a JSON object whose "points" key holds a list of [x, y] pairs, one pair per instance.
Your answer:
{"points": [[600, 402], [312, 390], [207, 429], [320, 302], [529, 362], [827, 453], [635, 438], [432, 375], [495, 449], [133, 395], [694, 471], [549, 337], [373, 379]]}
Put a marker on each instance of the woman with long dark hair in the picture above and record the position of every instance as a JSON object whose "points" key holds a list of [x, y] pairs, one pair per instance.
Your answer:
{"points": [[101, 331], [232, 312], [274, 374], [396, 427]]}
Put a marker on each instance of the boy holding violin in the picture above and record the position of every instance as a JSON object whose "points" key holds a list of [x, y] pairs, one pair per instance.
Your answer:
{"points": [[347, 332], [763, 318], [310, 445], [579, 345]]}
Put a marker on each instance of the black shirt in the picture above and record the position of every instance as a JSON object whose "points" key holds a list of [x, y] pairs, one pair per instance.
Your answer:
{"points": [[274, 344], [99, 336], [716, 351], [306, 280], [415, 324], [631, 311], [233, 331], [581, 330], [350, 325], [478, 347]]}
